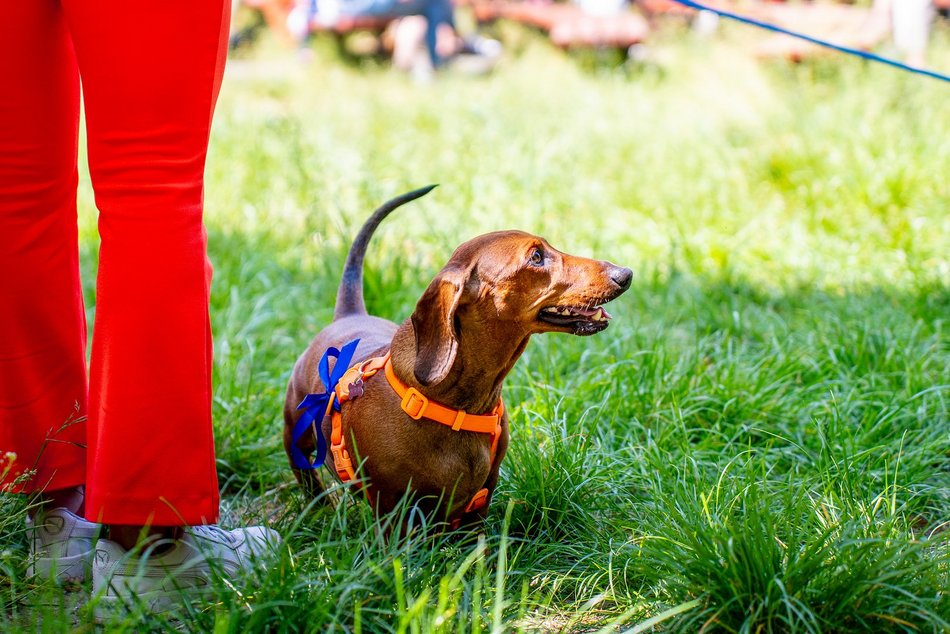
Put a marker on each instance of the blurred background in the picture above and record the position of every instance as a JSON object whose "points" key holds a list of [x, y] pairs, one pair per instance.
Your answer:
{"points": [[663, 132], [418, 36]]}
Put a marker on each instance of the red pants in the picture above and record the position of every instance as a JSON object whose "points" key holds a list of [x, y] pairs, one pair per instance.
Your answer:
{"points": [[150, 71]]}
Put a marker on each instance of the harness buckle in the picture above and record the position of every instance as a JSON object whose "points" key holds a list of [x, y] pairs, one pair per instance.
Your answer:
{"points": [[414, 403], [479, 501], [342, 463]]}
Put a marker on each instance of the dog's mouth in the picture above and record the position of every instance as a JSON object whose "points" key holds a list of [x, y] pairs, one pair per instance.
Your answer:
{"points": [[581, 321]]}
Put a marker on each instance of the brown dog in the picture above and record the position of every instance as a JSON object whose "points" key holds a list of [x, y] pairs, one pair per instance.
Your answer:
{"points": [[468, 329]]}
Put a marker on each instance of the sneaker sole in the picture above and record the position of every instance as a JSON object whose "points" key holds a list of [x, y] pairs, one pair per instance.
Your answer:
{"points": [[112, 604], [73, 569]]}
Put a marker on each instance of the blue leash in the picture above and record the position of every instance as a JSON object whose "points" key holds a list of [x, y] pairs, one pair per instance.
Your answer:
{"points": [[315, 405], [814, 40]]}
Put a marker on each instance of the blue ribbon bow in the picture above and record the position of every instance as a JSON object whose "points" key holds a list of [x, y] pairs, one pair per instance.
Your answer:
{"points": [[314, 405]]}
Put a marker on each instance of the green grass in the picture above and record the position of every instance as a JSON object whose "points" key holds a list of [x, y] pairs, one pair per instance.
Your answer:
{"points": [[759, 443]]}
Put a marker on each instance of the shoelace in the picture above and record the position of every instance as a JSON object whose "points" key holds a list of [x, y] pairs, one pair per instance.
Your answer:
{"points": [[213, 532]]}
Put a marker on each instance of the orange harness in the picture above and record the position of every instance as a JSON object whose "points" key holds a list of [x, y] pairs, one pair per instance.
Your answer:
{"points": [[417, 406]]}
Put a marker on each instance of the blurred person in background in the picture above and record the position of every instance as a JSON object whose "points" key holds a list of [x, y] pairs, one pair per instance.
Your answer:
{"points": [[910, 24], [327, 14]]}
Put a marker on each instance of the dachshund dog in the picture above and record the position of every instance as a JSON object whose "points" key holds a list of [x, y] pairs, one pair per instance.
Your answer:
{"points": [[467, 331]]}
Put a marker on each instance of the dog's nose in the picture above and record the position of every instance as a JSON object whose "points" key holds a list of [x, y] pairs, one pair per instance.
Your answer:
{"points": [[621, 276]]}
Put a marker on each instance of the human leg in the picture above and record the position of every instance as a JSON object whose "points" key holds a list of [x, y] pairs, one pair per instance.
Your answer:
{"points": [[408, 37], [42, 320], [149, 96], [438, 13], [911, 23]]}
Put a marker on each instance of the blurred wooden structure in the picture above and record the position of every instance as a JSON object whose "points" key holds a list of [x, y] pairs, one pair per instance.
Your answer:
{"points": [[568, 25]]}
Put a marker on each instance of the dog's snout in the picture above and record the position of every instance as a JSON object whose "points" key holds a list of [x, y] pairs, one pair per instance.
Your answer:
{"points": [[621, 276]]}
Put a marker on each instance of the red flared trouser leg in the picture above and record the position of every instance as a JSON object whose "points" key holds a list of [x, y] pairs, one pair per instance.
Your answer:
{"points": [[150, 73], [151, 70], [42, 322]]}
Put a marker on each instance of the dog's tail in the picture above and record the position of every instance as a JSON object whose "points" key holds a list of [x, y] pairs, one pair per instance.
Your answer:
{"points": [[349, 297]]}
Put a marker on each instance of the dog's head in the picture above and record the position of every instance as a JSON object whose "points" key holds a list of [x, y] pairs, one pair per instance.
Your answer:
{"points": [[507, 286]]}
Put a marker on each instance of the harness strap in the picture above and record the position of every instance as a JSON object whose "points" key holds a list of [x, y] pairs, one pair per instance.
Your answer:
{"points": [[351, 380], [417, 406]]}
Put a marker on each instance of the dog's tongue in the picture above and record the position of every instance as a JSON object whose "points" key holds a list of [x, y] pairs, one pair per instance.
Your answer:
{"points": [[595, 314]]}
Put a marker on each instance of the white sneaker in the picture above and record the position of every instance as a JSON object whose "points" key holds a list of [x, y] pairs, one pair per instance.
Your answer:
{"points": [[157, 579], [61, 545]]}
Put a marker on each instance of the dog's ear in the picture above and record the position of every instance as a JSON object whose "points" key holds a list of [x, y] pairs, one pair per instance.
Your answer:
{"points": [[433, 323]]}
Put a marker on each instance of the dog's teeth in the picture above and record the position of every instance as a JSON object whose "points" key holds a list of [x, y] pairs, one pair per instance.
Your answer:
{"points": [[600, 315]]}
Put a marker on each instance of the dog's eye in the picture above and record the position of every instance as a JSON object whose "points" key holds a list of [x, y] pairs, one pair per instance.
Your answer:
{"points": [[537, 257]]}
